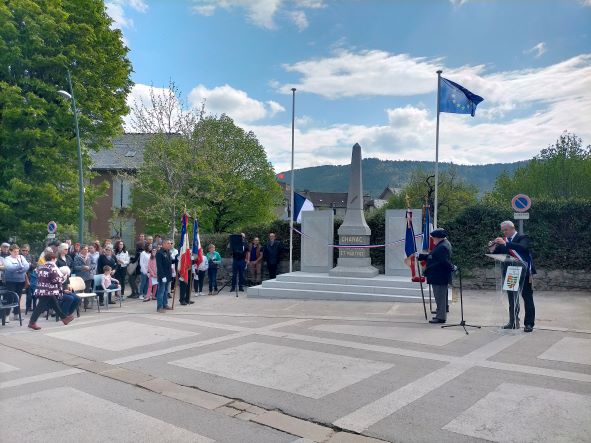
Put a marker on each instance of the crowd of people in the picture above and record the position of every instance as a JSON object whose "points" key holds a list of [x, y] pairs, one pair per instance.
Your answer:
{"points": [[150, 273]]}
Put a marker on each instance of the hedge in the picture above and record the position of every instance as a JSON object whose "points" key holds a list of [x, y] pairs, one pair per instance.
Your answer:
{"points": [[560, 233]]}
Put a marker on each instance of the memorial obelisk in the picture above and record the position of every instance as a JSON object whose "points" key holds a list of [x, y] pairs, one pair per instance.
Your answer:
{"points": [[354, 262]]}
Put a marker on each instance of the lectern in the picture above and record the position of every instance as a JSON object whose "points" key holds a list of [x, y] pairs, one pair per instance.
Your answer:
{"points": [[510, 275]]}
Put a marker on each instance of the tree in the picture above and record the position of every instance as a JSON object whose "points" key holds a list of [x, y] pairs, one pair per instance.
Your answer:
{"points": [[39, 42], [561, 171], [208, 165], [453, 194], [239, 186]]}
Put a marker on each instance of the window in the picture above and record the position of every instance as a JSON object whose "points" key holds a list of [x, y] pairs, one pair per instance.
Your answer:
{"points": [[121, 193]]}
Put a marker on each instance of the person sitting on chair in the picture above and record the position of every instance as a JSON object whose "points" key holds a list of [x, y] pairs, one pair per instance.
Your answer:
{"points": [[438, 272], [108, 282]]}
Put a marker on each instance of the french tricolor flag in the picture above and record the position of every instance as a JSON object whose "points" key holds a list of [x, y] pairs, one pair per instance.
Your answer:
{"points": [[197, 249], [185, 251]]}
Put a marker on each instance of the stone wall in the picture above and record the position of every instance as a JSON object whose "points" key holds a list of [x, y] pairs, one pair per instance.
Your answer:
{"points": [[544, 280]]}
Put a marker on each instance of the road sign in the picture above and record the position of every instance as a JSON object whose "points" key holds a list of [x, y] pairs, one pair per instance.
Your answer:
{"points": [[521, 203], [52, 227], [521, 215], [50, 235]]}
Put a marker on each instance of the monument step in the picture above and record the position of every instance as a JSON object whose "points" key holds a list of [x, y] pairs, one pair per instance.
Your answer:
{"points": [[323, 278], [307, 294], [340, 287]]}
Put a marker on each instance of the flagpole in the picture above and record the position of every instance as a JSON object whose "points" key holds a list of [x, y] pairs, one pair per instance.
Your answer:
{"points": [[293, 91], [435, 204]]}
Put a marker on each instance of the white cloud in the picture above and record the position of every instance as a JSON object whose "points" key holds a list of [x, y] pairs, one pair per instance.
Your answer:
{"points": [[585, 2], [366, 73], [262, 12], [538, 50], [233, 102], [410, 135], [116, 10], [299, 19], [378, 73]]}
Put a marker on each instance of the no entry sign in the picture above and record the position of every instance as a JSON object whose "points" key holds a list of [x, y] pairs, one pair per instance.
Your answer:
{"points": [[521, 203]]}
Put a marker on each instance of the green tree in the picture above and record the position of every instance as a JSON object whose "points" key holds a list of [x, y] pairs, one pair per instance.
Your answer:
{"points": [[453, 194], [561, 171], [210, 166], [239, 185], [39, 41]]}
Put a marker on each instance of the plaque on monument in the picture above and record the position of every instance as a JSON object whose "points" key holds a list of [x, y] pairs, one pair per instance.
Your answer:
{"points": [[354, 261]]}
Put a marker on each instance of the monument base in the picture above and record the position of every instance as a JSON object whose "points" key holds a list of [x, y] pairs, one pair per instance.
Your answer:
{"points": [[354, 267], [347, 271], [308, 286]]}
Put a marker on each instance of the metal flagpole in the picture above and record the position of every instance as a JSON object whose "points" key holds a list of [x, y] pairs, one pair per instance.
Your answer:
{"points": [[293, 91], [437, 153]]}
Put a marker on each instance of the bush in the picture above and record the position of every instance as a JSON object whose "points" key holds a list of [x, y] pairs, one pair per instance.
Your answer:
{"points": [[560, 233]]}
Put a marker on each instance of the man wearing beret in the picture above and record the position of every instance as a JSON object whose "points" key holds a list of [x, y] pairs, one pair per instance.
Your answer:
{"points": [[438, 271]]}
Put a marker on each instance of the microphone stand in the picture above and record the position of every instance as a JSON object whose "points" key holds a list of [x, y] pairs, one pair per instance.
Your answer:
{"points": [[462, 322]]}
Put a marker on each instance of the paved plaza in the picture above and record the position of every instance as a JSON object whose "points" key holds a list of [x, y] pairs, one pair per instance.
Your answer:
{"points": [[230, 369]]}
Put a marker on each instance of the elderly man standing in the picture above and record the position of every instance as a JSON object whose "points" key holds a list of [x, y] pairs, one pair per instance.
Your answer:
{"points": [[438, 272], [518, 246]]}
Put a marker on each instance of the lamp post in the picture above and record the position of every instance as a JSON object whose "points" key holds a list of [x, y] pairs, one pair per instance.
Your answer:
{"points": [[70, 96]]}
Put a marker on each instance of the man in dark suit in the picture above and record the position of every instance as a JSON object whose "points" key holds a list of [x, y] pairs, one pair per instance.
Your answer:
{"points": [[272, 255], [518, 246], [164, 268], [438, 272]]}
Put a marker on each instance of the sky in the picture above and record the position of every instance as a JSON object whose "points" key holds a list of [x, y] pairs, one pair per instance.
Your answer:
{"points": [[365, 72]]}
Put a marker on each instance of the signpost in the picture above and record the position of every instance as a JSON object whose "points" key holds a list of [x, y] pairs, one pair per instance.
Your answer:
{"points": [[521, 203], [51, 229]]}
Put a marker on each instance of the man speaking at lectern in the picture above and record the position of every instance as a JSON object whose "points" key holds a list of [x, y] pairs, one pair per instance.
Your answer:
{"points": [[518, 246]]}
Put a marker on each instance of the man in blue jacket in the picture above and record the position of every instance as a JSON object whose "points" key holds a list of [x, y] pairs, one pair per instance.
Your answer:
{"points": [[438, 272]]}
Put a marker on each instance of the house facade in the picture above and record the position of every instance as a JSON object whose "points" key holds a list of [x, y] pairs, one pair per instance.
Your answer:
{"points": [[113, 216]]}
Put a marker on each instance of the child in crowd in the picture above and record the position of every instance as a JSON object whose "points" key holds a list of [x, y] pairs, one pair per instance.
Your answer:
{"points": [[152, 276], [108, 282]]}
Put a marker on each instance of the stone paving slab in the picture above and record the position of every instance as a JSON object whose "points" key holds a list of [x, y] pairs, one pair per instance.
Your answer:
{"points": [[515, 412], [294, 426]]}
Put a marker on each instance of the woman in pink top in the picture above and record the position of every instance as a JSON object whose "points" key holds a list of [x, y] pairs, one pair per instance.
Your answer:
{"points": [[152, 276]]}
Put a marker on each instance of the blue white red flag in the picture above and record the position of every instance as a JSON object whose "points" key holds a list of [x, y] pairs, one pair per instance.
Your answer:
{"points": [[409, 240], [185, 251], [197, 249]]}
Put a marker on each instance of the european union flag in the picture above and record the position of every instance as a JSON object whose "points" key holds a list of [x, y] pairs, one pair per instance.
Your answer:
{"points": [[456, 99]]}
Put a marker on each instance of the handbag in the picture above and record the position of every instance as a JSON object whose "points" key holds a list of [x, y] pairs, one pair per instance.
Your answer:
{"points": [[27, 281], [131, 268]]}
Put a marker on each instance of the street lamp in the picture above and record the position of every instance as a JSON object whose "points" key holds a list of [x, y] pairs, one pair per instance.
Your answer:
{"points": [[70, 96]]}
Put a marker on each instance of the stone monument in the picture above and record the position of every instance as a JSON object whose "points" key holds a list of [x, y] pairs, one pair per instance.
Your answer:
{"points": [[354, 262], [318, 228]]}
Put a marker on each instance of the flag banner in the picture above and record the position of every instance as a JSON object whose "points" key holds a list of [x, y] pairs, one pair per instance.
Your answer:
{"points": [[300, 204], [426, 230], [197, 249], [456, 99], [185, 251], [409, 243]]}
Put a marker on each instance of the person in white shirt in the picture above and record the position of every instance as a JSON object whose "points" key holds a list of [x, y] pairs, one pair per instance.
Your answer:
{"points": [[144, 274], [199, 272], [122, 257]]}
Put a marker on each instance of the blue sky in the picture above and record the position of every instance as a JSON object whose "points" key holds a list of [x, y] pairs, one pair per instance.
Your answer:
{"points": [[365, 72]]}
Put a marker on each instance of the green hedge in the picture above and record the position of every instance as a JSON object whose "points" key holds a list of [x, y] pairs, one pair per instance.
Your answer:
{"points": [[560, 233]]}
